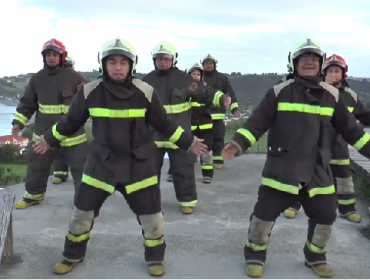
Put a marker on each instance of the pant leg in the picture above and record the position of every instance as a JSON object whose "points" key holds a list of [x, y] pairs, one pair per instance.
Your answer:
{"points": [[75, 157], [321, 211], [183, 176], [88, 201], [60, 167], [218, 141], [159, 155], [146, 204], [295, 206], [206, 160], [270, 204], [345, 189], [38, 172]]}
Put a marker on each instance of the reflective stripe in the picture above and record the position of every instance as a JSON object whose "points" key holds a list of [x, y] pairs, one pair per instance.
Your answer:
{"points": [[177, 108], [176, 135], [153, 242], [340, 162], [256, 247], [218, 116], [234, 106], [247, 134], [77, 239], [305, 108], [142, 184], [68, 141], [322, 190], [166, 145], [21, 118], [350, 109], [53, 109], [38, 197], [97, 184], [207, 167], [202, 126], [217, 98], [196, 104], [60, 173], [346, 201], [293, 189], [189, 203], [194, 127], [362, 141], [218, 158], [313, 248], [111, 113]]}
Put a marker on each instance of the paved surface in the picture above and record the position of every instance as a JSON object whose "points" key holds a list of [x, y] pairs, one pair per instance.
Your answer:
{"points": [[207, 244]]}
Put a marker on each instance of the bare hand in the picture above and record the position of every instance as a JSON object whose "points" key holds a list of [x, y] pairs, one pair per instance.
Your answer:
{"points": [[199, 148], [229, 151], [227, 102], [15, 130], [237, 113], [40, 147]]}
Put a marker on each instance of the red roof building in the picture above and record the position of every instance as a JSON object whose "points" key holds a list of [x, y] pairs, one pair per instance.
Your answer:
{"points": [[13, 140]]}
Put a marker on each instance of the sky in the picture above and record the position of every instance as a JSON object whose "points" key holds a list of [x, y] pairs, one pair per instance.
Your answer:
{"points": [[245, 36]]}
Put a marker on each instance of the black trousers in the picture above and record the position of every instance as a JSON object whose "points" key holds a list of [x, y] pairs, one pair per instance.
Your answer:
{"points": [[218, 141], [60, 167]]}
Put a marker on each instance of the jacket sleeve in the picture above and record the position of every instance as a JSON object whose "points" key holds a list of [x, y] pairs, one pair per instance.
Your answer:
{"points": [[27, 106], [257, 124], [346, 125], [229, 89], [361, 113], [157, 117], [76, 117]]}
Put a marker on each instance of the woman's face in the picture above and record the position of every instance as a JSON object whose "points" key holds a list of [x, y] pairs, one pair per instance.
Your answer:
{"points": [[334, 74], [196, 75]]}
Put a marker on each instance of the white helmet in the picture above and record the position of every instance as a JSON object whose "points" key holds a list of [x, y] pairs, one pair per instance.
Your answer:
{"points": [[165, 49], [69, 60]]}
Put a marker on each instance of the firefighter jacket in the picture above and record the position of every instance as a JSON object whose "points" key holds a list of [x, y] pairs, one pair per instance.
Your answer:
{"points": [[176, 89], [340, 152], [219, 81], [300, 113], [200, 116], [122, 149], [48, 95]]}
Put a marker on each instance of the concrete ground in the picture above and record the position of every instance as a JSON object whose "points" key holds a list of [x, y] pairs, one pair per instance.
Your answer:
{"points": [[207, 244]]}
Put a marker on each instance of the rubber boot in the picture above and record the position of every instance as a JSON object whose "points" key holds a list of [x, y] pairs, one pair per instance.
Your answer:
{"points": [[64, 267], [169, 178], [322, 270], [254, 270], [156, 269], [353, 217], [25, 203], [218, 166], [290, 213], [207, 180], [187, 210], [58, 180]]}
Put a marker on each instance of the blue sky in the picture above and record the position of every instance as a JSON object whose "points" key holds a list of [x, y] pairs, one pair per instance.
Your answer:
{"points": [[245, 36]]}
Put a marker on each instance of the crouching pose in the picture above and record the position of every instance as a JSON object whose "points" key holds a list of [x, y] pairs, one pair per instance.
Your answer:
{"points": [[300, 115], [122, 152]]}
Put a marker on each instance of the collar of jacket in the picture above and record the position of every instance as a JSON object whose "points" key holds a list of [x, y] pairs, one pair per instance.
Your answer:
{"points": [[122, 90], [210, 74], [165, 72], [52, 71], [309, 82]]}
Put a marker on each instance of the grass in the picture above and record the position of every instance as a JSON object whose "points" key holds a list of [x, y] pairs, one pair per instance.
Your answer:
{"points": [[14, 174], [19, 169]]}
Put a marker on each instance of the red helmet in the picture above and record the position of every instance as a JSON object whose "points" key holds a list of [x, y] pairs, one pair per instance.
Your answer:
{"points": [[57, 46], [338, 61]]}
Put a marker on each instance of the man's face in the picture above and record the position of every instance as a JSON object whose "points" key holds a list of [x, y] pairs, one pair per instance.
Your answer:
{"points": [[308, 65], [209, 65], [196, 75], [163, 63], [118, 67], [52, 58], [334, 74]]}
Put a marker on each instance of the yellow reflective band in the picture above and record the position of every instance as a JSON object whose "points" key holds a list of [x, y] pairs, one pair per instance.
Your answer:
{"points": [[111, 113], [350, 109], [234, 106], [246, 133], [97, 184], [346, 201], [313, 248], [218, 116], [21, 118], [362, 142], [56, 134], [189, 203], [256, 247], [218, 158], [177, 108], [60, 173], [340, 162], [38, 197], [305, 108], [206, 126], [53, 109], [207, 167], [194, 127], [217, 98], [153, 243], [166, 145], [68, 141], [322, 190], [176, 136], [293, 189], [196, 104], [142, 184], [77, 239]]}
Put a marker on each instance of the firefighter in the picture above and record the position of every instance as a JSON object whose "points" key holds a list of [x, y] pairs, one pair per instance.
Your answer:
{"points": [[201, 125], [335, 71], [120, 159], [60, 167], [48, 94], [299, 114], [218, 81], [175, 89]]}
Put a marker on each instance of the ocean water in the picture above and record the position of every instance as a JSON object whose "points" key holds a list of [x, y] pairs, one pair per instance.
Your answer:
{"points": [[6, 116]]}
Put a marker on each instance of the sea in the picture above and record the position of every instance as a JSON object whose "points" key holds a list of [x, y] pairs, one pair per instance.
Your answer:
{"points": [[6, 117]]}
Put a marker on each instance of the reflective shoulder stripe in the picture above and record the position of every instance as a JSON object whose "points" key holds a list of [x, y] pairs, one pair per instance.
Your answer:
{"points": [[279, 87], [145, 88], [353, 94], [332, 90], [88, 88]]}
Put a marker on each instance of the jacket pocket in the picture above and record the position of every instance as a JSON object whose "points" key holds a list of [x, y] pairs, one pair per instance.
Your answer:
{"points": [[177, 96], [67, 93]]}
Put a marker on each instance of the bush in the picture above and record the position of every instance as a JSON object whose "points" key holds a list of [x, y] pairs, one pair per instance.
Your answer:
{"points": [[11, 154], [7, 177]]}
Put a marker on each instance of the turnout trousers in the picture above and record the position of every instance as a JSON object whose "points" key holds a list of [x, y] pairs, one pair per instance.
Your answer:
{"points": [[182, 171], [206, 160], [38, 169], [146, 205], [321, 213], [60, 167], [218, 142]]}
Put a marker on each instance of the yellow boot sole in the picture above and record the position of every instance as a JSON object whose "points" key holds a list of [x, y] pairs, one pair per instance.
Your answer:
{"points": [[218, 166], [322, 270], [254, 270], [187, 210], [207, 180], [64, 267], [157, 270], [354, 218], [57, 181], [290, 214], [21, 204]]}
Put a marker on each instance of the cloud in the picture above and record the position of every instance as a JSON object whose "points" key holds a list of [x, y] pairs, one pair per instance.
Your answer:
{"points": [[251, 37]]}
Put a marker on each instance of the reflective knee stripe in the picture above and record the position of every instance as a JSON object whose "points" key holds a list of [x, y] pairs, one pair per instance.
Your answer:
{"points": [[97, 184], [217, 117], [256, 247], [189, 203], [153, 242], [78, 238], [322, 190], [67, 142], [166, 145], [346, 201], [340, 161], [21, 118], [38, 197], [142, 184], [314, 249]]}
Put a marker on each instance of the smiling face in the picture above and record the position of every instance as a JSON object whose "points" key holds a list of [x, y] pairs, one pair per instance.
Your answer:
{"points": [[333, 74], [118, 67], [308, 65]]}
